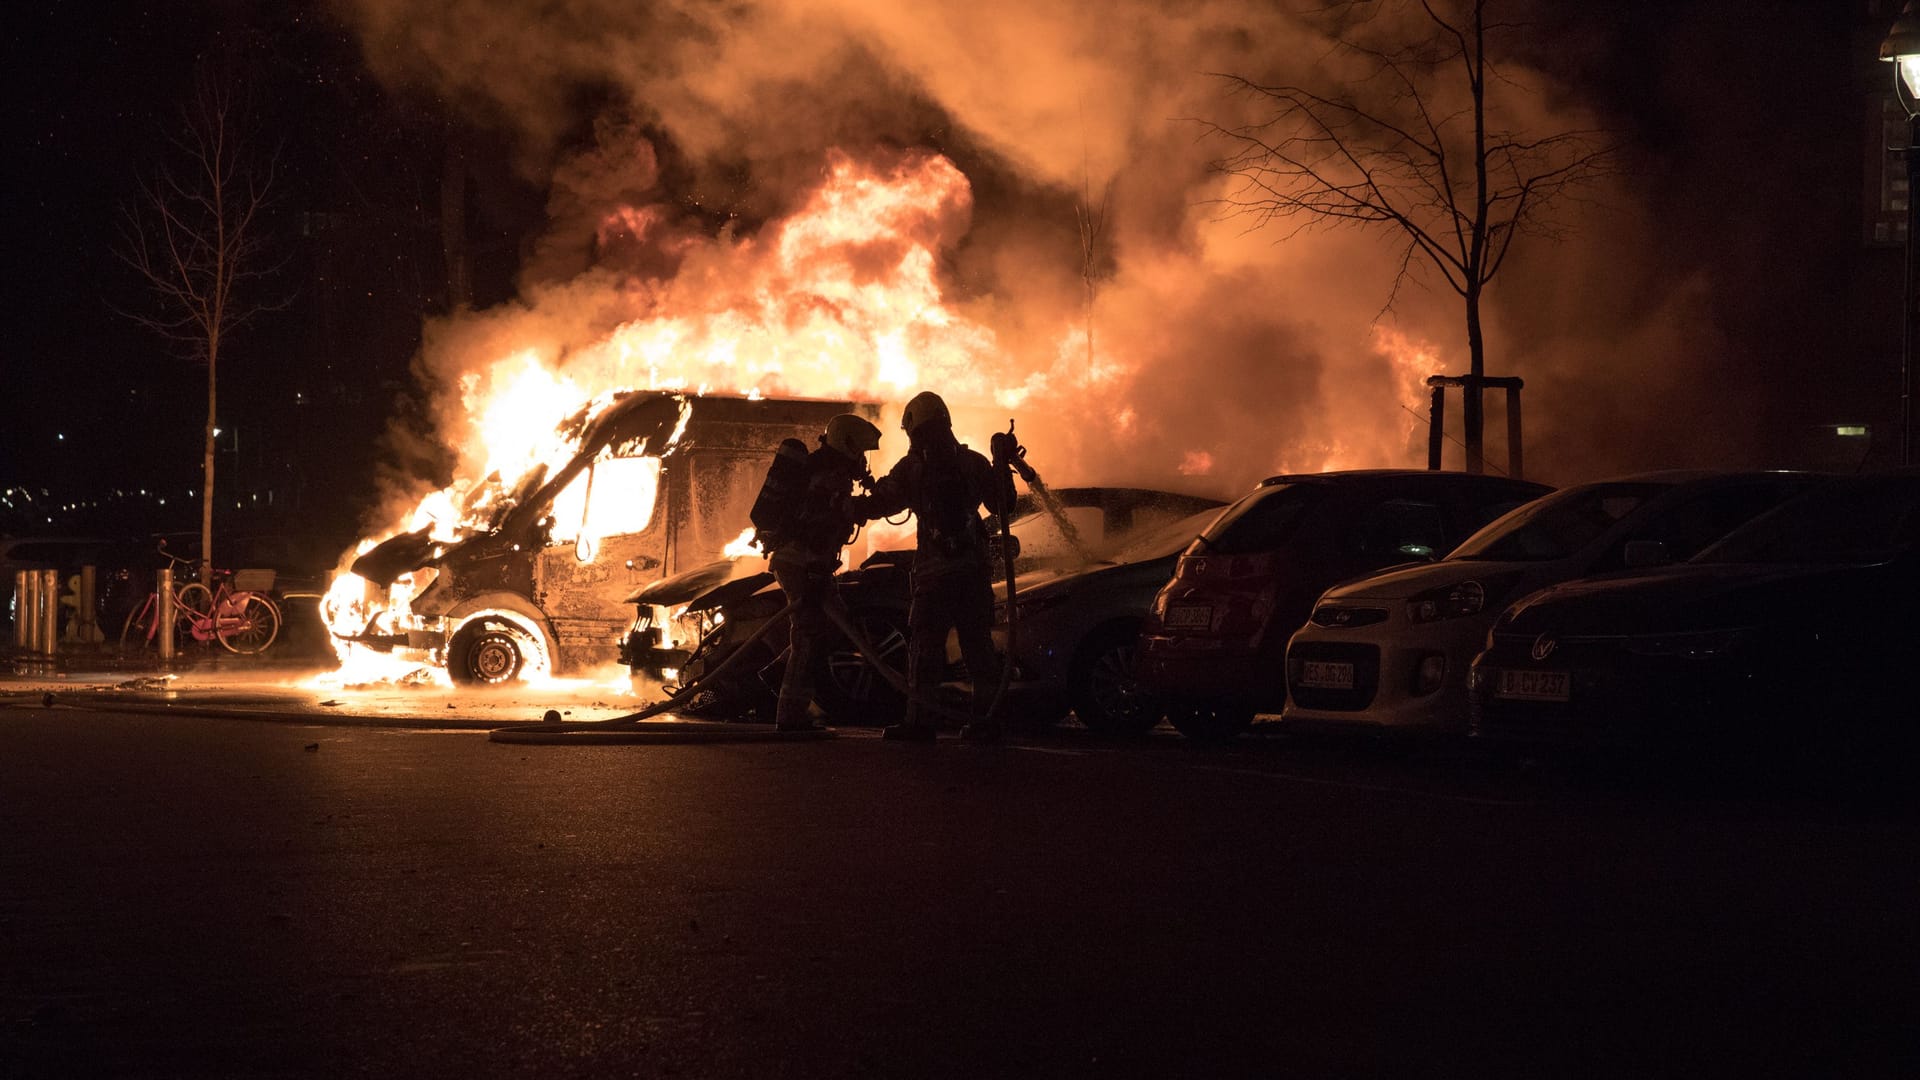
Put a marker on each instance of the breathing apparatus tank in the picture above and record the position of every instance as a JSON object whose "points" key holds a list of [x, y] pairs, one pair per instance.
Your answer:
{"points": [[780, 492]]}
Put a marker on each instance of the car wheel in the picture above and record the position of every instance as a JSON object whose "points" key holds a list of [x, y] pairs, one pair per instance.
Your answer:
{"points": [[486, 653], [1211, 721], [848, 688], [1106, 686]]}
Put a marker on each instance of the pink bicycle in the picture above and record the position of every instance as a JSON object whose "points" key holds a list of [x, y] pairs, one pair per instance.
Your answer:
{"points": [[236, 612]]}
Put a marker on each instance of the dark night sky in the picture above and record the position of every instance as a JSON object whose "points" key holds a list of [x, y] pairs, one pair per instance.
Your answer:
{"points": [[1747, 120]]}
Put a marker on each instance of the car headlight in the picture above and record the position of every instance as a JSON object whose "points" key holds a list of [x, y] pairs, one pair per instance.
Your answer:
{"points": [[1447, 602], [1699, 645]]}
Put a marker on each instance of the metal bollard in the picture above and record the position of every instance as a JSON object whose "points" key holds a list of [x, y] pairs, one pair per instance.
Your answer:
{"points": [[49, 611], [164, 614], [30, 610], [85, 621], [20, 609]]}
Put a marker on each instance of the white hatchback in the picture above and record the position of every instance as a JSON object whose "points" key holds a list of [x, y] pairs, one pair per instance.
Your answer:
{"points": [[1390, 652]]}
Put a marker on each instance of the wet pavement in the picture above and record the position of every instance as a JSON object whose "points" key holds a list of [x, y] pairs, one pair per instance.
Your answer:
{"points": [[376, 889], [306, 690]]}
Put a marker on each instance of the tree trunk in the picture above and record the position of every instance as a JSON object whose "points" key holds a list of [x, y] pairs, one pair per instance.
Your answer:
{"points": [[453, 225], [1471, 416], [206, 502]]}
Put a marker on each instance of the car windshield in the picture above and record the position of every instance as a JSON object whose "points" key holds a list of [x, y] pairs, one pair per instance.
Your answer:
{"points": [[1159, 541], [1044, 540], [1260, 521], [1557, 525], [1857, 522]]}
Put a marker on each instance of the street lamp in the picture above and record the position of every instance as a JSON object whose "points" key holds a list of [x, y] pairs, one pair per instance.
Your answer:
{"points": [[1902, 50]]}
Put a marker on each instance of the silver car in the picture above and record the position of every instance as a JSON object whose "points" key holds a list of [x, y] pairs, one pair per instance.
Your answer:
{"points": [[1390, 652]]}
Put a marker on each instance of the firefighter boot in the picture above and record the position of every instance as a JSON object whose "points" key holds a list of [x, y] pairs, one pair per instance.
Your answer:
{"points": [[791, 714]]}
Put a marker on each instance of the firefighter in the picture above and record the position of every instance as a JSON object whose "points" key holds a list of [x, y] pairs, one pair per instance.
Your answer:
{"points": [[802, 519], [945, 484]]}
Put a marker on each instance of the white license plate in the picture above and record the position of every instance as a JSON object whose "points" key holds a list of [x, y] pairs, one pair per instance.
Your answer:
{"points": [[1534, 685], [1326, 675], [1190, 616]]}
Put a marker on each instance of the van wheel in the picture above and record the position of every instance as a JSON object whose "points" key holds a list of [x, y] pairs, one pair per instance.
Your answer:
{"points": [[1106, 686], [1212, 721], [486, 654]]}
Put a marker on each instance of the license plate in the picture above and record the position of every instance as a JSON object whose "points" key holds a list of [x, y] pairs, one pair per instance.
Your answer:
{"points": [[1190, 616], [1534, 685], [1326, 675]]}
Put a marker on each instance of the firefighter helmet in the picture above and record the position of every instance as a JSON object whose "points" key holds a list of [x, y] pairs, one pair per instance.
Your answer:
{"points": [[851, 435], [925, 408]]}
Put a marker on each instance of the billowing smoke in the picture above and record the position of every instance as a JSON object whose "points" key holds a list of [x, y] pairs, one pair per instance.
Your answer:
{"points": [[1218, 352]]}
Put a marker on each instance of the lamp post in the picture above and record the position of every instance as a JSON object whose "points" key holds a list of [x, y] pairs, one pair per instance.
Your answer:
{"points": [[1902, 50]]}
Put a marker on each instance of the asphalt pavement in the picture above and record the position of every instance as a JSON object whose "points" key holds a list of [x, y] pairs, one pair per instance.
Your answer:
{"points": [[298, 890]]}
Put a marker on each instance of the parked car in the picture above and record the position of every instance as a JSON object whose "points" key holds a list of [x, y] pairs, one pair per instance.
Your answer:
{"points": [[686, 625], [1792, 631], [547, 584], [1075, 645], [1214, 644], [1391, 652]]}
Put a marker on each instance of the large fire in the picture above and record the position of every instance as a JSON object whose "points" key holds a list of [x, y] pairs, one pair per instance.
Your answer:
{"points": [[839, 300]]}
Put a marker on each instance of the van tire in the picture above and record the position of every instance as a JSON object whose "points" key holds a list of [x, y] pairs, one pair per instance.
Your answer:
{"points": [[486, 653]]}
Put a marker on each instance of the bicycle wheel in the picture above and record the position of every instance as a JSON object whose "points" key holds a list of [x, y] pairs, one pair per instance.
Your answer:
{"points": [[137, 634], [196, 598], [247, 623]]}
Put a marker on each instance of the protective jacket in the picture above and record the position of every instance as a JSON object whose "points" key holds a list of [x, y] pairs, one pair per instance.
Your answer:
{"points": [[805, 515], [945, 484]]}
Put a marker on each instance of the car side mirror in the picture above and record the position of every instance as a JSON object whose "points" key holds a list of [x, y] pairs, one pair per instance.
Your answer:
{"points": [[1645, 553]]}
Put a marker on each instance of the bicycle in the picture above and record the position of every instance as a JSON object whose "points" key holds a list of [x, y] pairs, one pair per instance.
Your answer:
{"points": [[237, 613]]}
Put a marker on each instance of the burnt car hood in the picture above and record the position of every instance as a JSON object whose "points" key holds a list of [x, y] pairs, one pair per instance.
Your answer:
{"points": [[690, 585], [1691, 597], [394, 556]]}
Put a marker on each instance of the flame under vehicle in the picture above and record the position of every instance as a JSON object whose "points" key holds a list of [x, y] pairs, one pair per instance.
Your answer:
{"points": [[658, 483]]}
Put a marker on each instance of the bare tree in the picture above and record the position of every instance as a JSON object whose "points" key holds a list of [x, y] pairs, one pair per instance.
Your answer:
{"points": [[1092, 218], [1408, 146], [194, 237]]}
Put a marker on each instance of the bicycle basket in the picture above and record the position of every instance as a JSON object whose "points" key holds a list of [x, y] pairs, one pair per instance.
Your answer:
{"points": [[253, 581]]}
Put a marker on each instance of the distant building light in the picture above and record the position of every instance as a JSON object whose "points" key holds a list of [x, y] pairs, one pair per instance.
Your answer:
{"points": [[60, 436], [1850, 431]]}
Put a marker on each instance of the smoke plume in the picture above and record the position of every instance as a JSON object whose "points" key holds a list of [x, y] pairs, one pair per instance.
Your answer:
{"points": [[1141, 334]]}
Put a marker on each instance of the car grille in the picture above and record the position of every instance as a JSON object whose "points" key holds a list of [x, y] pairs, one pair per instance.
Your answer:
{"points": [[1340, 615], [1366, 674]]}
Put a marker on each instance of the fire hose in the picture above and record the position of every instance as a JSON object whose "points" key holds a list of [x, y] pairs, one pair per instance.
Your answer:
{"points": [[552, 724], [1008, 454]]}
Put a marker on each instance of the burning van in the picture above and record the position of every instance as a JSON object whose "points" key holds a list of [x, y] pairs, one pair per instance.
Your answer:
{"points": [[543, 583]]}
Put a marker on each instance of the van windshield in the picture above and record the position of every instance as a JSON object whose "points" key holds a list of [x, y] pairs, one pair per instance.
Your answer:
{"points": [[1259, 522], [1557, 525]]}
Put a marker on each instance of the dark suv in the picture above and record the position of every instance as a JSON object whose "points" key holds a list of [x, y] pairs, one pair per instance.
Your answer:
{"points": [[1214, 645]]}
